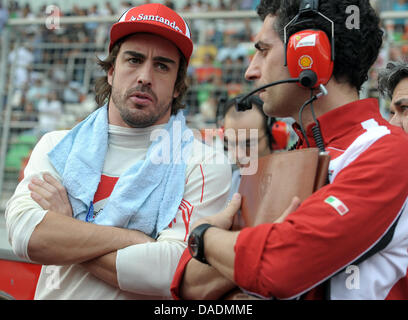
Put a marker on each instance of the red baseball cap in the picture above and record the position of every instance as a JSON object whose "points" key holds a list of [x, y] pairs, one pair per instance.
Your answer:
{"points": [[154, 18]]}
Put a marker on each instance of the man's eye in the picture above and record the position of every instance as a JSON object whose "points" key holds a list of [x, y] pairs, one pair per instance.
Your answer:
{"points": [[134, 60], [162, 66], [262, 50]]}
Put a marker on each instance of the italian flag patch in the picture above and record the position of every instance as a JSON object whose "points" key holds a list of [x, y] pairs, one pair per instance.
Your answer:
{"points": [[339, 206]]}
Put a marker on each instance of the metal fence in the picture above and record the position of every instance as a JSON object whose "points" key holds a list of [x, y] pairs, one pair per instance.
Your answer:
{"points": [[48, 69]]}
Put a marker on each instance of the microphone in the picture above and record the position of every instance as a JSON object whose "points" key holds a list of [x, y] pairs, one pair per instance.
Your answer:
{"points": [[307, 79], [243, 104]]}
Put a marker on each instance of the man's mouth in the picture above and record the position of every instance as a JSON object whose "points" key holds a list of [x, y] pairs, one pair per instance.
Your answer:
{"points": [[260, 93], [141, 98]]}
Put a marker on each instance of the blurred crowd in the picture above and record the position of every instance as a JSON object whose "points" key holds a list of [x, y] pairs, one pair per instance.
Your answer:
{"points": [[48, 68], [51, 64]]}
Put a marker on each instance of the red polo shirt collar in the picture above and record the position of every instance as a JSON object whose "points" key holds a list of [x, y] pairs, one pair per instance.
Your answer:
{"points": [[336, 123]]}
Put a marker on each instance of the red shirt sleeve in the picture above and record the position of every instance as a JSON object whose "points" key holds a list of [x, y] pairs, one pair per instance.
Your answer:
{"points": [[178, 276], [315, 241]]}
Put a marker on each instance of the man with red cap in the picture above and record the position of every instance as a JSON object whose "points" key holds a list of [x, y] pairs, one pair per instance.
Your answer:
{"points": [[110, 202]]}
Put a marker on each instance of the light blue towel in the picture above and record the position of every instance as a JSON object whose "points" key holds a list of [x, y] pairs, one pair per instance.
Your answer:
{"points": [[147, 196]]}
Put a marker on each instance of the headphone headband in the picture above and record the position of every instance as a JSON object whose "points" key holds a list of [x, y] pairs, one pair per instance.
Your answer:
{"points": [[309, 53], [308, 6]]}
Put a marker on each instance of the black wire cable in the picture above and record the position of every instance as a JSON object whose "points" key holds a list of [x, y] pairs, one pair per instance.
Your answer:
{"points": [[302, 129], [241, 103], [317, 134], [270, 85]]}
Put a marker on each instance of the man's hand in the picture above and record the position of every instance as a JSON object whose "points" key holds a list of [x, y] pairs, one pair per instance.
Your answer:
{"points": [[225, 218], [201, 281], [50, 194], [292, 207]]}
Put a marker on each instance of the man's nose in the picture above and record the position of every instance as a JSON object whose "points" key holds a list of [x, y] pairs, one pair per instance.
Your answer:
{"points": [[253, 72], [396, 120], [145, 75]]}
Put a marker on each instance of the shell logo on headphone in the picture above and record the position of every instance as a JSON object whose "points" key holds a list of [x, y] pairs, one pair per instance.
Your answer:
{"points": [[310, 50], [305, 62]]}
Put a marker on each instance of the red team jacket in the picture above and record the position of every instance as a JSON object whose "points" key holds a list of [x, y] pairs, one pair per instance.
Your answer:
{"points": [[351, 234]]}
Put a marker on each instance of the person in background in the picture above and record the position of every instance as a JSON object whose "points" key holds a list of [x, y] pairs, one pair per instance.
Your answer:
{"points": [[238, 140], [393, 83], [50, 110]]}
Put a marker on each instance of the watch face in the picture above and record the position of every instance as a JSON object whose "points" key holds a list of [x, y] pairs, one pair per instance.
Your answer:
{"points": [[193, 245]]}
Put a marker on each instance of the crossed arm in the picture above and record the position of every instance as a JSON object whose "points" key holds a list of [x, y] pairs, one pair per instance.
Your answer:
{"points": [[95, 246], [91, 245]]}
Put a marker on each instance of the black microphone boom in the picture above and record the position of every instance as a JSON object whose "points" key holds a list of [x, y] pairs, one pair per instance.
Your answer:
{"points": [[243, 104]]}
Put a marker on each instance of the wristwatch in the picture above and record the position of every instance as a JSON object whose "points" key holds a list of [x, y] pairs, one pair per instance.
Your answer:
{"points": [[196, 242]]}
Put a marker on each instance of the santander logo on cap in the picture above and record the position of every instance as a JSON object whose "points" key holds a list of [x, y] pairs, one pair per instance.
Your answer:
{"points": [[154, 18], [159, 19]]}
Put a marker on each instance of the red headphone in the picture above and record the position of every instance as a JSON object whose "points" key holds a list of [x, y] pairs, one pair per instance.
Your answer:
{"points": [[309, 53], [280, 133]]}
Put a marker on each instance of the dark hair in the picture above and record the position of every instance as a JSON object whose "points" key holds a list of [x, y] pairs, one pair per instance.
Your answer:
{"points": [[258, 103], [356, 50], [389, 78], [103, 89]]}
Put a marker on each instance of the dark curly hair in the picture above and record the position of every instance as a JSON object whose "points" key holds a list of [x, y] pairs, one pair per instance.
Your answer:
{"points": [[390, 77], [356, 50]]}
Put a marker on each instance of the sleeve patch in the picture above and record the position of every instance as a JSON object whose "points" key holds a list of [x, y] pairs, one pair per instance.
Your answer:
{"points": [[337, 204]]}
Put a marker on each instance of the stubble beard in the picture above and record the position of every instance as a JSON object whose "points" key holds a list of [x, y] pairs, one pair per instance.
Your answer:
{"points": [[137, 116]]}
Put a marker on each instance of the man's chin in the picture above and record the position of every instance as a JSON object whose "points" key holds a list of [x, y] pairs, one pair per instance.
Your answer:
{"points": [[138, 118], [139, 123]]}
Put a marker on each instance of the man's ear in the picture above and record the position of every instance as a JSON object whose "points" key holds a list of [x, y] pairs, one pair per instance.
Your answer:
{"points": [[110, 75], [176, 93]]}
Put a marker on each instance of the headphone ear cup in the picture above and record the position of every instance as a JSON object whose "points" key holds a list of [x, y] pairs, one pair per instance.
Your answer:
{"points": [[309, 58], [308, 78], [280, 133]]}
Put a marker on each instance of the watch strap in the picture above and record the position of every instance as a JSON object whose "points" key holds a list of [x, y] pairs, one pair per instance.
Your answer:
{"points": [[199, 232]]}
